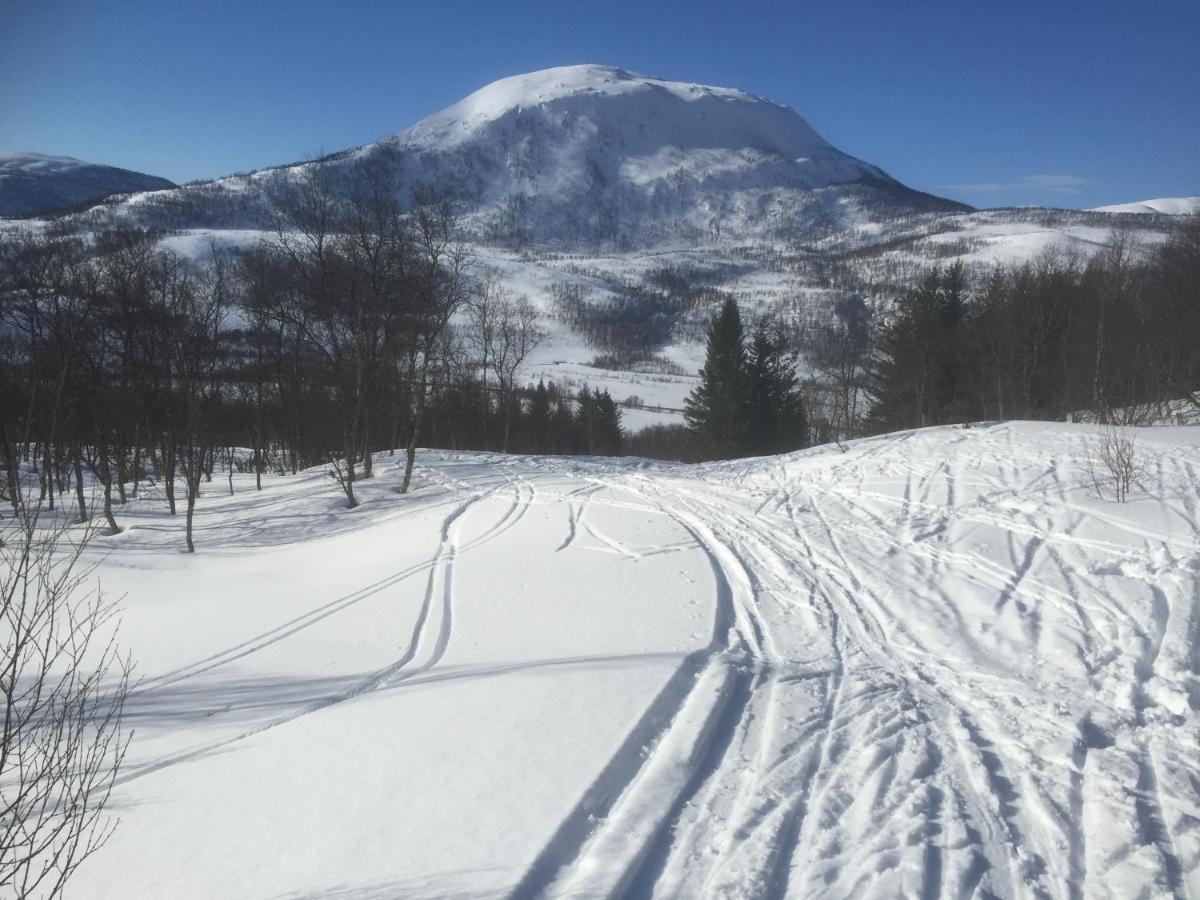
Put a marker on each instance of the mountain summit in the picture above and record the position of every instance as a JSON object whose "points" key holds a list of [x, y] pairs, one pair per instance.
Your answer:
{"points": [[596, 151]]}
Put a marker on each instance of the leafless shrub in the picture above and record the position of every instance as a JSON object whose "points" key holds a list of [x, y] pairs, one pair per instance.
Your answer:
{"points": [[1113, 462], [62, 689]]}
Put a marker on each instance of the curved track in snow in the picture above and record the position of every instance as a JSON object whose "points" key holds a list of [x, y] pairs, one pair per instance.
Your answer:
{"points": [[934, 665], [832, 744]]}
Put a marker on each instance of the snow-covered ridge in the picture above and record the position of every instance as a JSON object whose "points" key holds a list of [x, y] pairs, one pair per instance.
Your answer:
{"points": [[14, 161], [32, 183], [1169, 206], [599, 155], [737, 118]]}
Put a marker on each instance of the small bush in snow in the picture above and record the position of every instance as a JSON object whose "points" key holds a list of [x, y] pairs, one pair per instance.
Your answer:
{"points": [[1113, 462]]}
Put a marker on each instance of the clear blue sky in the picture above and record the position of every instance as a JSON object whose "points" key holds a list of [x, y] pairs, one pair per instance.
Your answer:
{"points": [[994, 103]]}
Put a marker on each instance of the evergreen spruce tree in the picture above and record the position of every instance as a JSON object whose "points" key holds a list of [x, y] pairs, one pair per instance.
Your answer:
{"points": [[539, 419], [607, 435], [585, 421], [715, 413], [563, 435], [775, 416], [918, 372]]}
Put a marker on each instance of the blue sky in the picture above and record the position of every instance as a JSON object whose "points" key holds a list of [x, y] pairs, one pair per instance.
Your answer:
{"points": [[1056, 103]]}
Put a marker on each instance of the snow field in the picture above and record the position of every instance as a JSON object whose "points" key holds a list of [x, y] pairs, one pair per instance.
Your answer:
{"points": [[933, 665]]}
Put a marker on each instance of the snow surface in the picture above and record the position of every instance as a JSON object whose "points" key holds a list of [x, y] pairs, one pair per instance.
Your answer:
{"points": [[738, 119], [933, 665], [1170, 206], [26, 160]]}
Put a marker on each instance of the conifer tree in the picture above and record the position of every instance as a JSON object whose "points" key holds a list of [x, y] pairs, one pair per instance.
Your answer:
{"points": [[539, 419], [715, 412], [775, 416], [607, 435], [918, 373]]}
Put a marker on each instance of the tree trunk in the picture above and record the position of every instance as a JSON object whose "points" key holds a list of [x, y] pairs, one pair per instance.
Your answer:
{"points": [[193, 489], [137, 460], [169, 465], [121, 473], [48, 474], [414, 436], [507, 401], [13, 472], [77, 452], [348, 483], [409, 461], [108, 510]]}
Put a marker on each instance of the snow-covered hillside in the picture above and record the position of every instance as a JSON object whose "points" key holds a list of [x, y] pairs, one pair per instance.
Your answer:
{"points": [[933, 665], [588, 154], [33, 183], [595, 151], [1168, 206]]}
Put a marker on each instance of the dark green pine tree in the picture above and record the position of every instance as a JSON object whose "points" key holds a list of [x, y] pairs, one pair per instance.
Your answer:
{"points": [[917, 376], [715, 414], [563, 435], [585, 421], [775, 415], [539, 419], [607, 434]]}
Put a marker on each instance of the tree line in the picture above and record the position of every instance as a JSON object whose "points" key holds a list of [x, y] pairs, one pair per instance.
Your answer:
{"points": [[354, 326], [1114, 338]]}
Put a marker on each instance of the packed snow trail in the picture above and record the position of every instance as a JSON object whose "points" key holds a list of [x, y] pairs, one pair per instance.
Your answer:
{"points": [[934, 665]]}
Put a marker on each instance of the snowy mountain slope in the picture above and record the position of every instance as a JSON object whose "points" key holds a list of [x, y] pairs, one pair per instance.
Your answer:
{"points": [[933, 665], [594, 150], [33, 183], [782, 279], [598, 154], [1168, 206]]}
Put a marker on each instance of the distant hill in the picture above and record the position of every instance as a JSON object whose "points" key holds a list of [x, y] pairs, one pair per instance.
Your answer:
{"points": [[1170, 206], [33, 183]]}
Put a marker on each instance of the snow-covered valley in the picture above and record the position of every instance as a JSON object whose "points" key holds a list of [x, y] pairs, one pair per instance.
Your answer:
{"points": [[933, 665]]}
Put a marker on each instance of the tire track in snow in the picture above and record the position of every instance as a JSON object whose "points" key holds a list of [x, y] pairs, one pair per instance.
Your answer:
{"points": [[711, 815]]}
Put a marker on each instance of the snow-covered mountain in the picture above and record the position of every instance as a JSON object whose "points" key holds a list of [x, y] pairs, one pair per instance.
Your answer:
{"points": [[1168, 206], [595, 153], [588, 181], [34, 183], [599, 151]]}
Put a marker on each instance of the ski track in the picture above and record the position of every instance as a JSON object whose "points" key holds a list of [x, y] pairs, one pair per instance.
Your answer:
{"points": [[440, 582], [849, 729], [750, 802]]}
